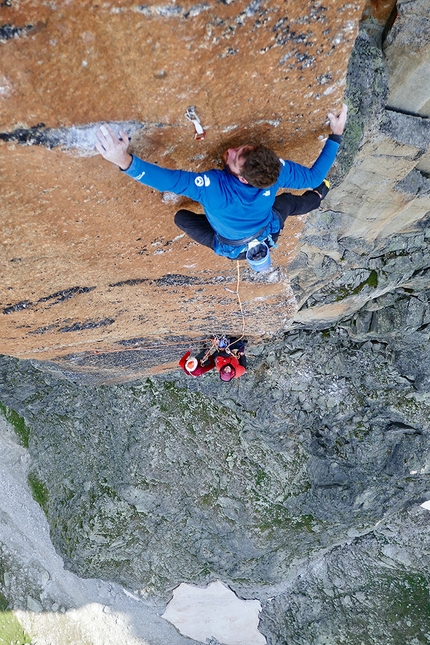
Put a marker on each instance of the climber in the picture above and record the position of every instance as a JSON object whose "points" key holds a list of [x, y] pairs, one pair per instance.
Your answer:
{"points": [[196, 366], [231, 360], [240, 201]]}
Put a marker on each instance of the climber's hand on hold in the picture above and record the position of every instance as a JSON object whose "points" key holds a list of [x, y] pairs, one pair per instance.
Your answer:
{"points": [[113, 148], [337, 123]]}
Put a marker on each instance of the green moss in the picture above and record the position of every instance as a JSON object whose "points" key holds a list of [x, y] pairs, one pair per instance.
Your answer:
{"points": [[3, 603], [209, 499], [206, 569], [39, 491], [11, 630], [305, 522], [408, 404], [345, 292], [18, 424], [261, 477], [372, 280], [407, 608], [278, 517]]}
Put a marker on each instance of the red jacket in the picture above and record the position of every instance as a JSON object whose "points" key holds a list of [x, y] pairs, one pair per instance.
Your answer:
{"points": [[199, 369], [230, 360]]}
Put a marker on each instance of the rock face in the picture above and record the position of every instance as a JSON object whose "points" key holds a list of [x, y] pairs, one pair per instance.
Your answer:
{"points": [[407, 51], [300, 484], [369, 242], [92, 258]]}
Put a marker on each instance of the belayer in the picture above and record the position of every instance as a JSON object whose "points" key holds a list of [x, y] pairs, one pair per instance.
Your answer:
{"points": [[194, 366], [231, 360], [239, 201]]}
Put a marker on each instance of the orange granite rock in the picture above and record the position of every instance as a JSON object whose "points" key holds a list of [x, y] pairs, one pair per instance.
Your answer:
{"points": [[91, 258]]}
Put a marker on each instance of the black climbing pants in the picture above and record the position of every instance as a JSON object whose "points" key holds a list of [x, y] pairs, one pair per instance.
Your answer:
{"points": [[197, 227]]}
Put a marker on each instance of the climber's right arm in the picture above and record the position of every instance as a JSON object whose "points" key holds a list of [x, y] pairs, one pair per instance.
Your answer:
{"points": [[202, 187], [113, 148]]}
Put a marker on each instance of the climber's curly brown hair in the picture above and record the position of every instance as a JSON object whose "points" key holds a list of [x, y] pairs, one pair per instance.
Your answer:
{"points": [[261, 167]]}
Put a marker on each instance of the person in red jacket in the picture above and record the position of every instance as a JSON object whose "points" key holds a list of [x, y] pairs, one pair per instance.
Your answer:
{"points": [[231, 363], [196, 367]]}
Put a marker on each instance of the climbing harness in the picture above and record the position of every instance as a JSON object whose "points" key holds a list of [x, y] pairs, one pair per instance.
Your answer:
{"points": [[191, 115]]}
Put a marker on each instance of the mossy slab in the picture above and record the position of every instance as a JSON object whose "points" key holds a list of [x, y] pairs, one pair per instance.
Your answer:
{"points": [[11, 630]]}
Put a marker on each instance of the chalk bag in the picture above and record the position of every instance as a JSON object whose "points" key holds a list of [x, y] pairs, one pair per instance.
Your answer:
{"points": [[258, 256]]}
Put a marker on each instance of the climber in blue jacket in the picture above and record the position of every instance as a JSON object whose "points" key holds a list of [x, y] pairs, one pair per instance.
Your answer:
{"points": [[239, 201]]}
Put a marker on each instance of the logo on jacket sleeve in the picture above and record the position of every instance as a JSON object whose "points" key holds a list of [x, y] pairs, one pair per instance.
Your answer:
{"points": [[200, 181], [266, 193]]}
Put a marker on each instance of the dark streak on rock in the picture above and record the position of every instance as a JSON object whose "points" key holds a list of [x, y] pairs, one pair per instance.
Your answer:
{"points": [[88, 324], [9, 31], [175, 279], [80, 137], [34, 136], [60, 296], [132, 282], [284, 34], [24, 304], [65, 294], [150, 343], [42, 330]]}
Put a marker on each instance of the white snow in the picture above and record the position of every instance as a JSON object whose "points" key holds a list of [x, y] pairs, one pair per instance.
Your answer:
{"points": [[215, 612]]}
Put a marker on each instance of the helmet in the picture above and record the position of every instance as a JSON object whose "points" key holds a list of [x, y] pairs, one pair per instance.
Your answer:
{"points": [[191, 364], [227, 376]]}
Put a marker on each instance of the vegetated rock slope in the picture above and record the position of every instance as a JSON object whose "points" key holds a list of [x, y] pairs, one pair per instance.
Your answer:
{"points": [[301, 482]]}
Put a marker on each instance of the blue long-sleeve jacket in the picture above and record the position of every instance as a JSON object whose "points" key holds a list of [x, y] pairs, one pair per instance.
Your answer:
{"points": [[234, 210]]}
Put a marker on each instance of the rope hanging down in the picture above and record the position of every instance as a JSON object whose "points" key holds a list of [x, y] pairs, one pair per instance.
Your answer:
{"points": [[215, 341], [239, 300]]}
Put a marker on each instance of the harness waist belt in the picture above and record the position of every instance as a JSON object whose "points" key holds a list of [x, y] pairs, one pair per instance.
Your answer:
{"points": [[244, 240]]}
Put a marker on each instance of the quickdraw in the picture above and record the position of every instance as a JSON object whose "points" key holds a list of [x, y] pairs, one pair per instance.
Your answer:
{"points": [[191, 115]]}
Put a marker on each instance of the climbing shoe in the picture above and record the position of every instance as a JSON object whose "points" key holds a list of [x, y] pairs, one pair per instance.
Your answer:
{"points": [[323, 188]]}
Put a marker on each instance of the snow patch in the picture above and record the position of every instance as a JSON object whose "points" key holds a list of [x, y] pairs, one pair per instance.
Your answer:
{"points": [[214, 613]]}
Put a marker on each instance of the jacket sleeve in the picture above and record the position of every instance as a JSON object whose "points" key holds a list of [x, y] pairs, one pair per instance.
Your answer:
{"points": [[293, 175], [198, 186], [220, 361], [183, 361], [206, 368]]}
